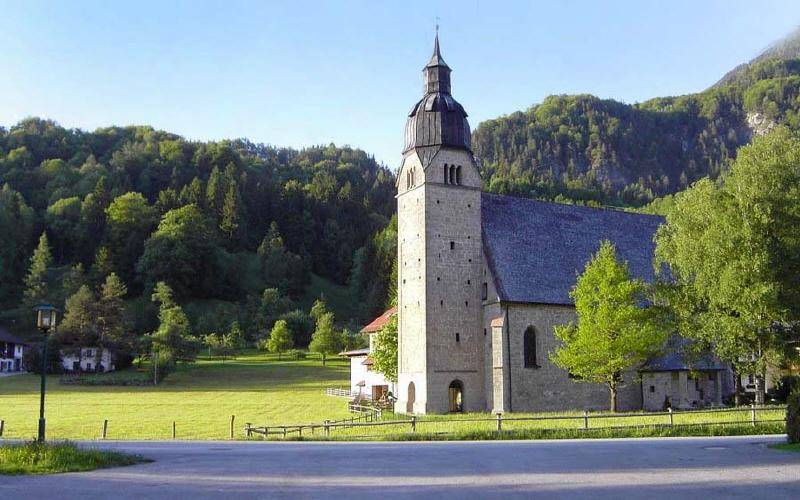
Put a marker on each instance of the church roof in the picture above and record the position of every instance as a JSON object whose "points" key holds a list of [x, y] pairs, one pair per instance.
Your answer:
{"points": [[537, 249]]}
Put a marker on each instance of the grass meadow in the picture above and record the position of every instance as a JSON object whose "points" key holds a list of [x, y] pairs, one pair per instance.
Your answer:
{"points": [[201, 397]]}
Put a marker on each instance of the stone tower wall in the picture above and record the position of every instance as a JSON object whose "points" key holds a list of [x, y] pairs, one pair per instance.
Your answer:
{"points": [[439, 286]]}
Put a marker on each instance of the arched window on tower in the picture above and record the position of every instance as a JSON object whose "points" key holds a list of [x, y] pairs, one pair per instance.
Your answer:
{"points": [[446, 180], [458, 175], [452, 174], [529, 348]]}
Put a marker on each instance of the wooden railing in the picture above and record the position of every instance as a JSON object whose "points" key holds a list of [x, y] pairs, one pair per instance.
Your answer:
{"points": [[583, 422], [336, 392], [365, 415]]}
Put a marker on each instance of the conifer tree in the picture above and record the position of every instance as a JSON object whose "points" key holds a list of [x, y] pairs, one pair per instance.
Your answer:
{"points": [[36, 286], [111, 323]]}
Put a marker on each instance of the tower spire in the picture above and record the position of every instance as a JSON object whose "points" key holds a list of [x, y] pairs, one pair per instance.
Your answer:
{"points": [[437, 72]]}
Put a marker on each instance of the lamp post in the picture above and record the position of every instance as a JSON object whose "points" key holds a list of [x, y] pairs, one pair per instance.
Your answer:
{"points": [[45, 320]]}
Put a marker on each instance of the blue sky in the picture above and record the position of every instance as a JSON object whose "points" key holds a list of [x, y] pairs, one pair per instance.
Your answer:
{"points": [[302, 73]]}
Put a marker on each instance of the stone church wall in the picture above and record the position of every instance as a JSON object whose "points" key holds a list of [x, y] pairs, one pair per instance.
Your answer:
{"points": [[548, 387]]}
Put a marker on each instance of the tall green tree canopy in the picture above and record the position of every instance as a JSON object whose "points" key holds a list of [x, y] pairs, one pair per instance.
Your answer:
{"points": [[325, 339], [733, 251], [616, 330]]}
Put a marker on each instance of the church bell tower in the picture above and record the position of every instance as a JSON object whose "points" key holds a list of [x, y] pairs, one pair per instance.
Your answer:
{"points": [[440, 342]]}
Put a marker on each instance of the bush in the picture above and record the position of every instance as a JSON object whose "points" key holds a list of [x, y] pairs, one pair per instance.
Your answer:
{"points": [[793, 417], [296, 354]]}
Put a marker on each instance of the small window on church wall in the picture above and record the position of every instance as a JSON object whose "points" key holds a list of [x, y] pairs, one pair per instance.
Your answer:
{"points": [[652, 388], [458, 175], [466, 303], [484, 332], [485, 291], [529, 348], [452, 245], [445, 173], [458, 337], [468, 282]]}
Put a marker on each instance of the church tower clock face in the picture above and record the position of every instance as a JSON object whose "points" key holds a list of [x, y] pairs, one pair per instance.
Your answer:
{"points": [[440, 352]]}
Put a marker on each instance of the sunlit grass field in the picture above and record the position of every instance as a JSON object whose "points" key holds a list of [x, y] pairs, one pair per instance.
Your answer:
{"points": [[199, 397]]}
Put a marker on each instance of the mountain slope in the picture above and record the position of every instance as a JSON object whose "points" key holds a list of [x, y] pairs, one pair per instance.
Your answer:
{"points": [[784, 49], [588, 149]]}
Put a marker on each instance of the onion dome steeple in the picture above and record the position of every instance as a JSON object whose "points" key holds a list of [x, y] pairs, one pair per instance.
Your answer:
{"points": [[437, 119]]}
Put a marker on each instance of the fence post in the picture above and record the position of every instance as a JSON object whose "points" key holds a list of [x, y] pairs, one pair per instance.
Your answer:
{"points": [[300, 431], [2, 426], [753, 414], [233, 417], [284, 432], [173, 429], [413, 423], [248, 432], [327, 428], [670, 416], [585, 419], [105, 428], [499, 421]]}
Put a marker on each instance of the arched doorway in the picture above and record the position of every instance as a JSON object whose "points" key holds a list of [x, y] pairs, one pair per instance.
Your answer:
{"points": [[412, 396], [455, 396]]}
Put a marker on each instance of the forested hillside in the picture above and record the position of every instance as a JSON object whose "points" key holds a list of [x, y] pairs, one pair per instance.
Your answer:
{"points": [[219, 222], [589, 149]]}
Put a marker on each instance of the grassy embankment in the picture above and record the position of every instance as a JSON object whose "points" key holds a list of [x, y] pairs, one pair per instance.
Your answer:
{"points": [[795, 447], [49, 458]]}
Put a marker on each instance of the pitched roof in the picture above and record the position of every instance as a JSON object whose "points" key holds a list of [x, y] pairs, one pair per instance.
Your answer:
{"points": [[5, 336], [355, 353], [678, 356], [377, 323], [537, 249]]}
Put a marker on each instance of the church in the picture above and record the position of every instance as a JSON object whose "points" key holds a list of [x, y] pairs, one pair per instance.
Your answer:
{"points": [[483, 278]]}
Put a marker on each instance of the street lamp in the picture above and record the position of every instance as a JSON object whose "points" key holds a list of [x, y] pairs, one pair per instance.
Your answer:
{"points": [[45, 320]]}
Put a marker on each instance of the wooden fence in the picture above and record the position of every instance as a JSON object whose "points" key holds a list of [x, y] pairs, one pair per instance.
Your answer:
{"points": [[336, 392], [365, 415], [584, 422]]}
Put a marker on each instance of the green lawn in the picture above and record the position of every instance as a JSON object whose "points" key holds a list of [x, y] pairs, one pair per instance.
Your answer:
{"points": [[257, 388], [795, 447], [200, 398], [49, 458]]}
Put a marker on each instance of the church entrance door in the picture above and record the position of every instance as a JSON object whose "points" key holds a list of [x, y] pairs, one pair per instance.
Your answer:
{"points": [[412, 396], [455, 396]]}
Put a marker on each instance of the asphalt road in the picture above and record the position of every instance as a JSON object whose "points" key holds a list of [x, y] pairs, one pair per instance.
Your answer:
{"points": [[698, 468]]}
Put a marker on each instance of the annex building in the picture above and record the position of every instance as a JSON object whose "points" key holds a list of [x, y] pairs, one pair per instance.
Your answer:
{"points": [[483, 279]]}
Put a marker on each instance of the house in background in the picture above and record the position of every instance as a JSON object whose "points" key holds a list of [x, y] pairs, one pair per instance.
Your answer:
{"points": [[87, 359], [679, 380], [365, 382], [11, 352]]}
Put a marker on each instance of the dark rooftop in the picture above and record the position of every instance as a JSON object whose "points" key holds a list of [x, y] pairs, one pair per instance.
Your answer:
{"points": [[437, 119], [5, 336], [678, 356], [537, 249]]}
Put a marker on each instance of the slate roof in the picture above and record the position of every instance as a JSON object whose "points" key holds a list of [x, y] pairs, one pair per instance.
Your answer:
{"points": [[537, 249], [678, 357]]}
